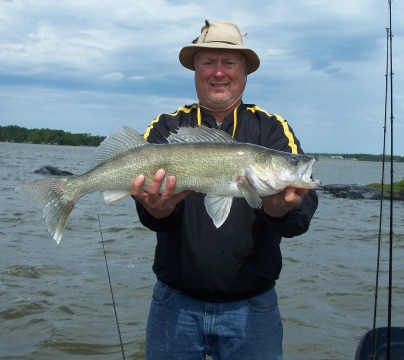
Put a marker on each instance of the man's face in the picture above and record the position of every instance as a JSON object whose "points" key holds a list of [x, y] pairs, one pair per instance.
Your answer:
{"points": [[220, 77]]}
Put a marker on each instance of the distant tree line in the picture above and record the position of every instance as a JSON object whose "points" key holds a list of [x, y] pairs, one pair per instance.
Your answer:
{"points": [[360, 157], [13, 133]]}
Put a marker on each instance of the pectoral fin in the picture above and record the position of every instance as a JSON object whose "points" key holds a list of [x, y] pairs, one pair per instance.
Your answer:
{"points": [[257, 181], [218, 208], [115, 195], [249, 193]]}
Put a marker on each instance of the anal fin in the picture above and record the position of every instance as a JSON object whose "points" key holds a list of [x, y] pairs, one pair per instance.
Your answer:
{"points": [[115, 195]]}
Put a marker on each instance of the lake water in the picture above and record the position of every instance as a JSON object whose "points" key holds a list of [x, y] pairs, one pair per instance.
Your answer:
{"points": [[55, 301]]}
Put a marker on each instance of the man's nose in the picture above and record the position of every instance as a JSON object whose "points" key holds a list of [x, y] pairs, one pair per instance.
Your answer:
{"points": [[219, 70]]}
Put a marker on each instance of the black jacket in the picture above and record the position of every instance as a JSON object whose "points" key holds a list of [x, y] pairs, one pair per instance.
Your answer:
{"points": [[242, 258]]}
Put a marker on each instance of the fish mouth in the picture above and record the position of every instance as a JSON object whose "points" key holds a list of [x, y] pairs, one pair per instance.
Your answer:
{"points": [[305, 173]]}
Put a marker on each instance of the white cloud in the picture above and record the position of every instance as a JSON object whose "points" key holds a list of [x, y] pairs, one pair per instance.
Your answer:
{"points": [[136, 78], [116, 76]]}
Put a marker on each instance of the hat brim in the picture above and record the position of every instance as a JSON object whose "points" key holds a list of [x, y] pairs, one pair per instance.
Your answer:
{"points": [[187, 54]]}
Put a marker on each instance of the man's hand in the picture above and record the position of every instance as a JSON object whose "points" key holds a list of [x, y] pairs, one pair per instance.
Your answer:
{"points": [[157, 205], [280, 204]]}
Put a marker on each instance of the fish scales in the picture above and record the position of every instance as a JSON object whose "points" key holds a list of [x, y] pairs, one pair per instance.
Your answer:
{"points": [[200, 167]]}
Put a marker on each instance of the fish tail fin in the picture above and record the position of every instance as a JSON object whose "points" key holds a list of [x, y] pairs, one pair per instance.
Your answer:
{"points": [[49, 195]]}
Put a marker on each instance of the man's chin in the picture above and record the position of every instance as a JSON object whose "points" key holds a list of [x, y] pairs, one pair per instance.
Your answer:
{"points": [[219, 102]]}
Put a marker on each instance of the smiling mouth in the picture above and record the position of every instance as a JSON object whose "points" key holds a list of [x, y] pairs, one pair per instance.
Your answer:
{"points": [[219, 88]]}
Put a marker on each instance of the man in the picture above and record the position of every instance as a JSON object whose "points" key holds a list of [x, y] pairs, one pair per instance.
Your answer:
{"points": [[215, 291]]}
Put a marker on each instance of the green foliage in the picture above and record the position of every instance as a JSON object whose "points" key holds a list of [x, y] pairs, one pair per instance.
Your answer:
{"points": [[13, 133], [397, 186], [359, 157]]}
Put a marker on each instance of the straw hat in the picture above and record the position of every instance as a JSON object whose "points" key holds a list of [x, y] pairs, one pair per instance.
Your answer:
{"points": [[219, 35]]}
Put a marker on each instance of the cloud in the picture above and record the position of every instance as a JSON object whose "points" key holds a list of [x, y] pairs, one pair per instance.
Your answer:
{"points": [[116, 76], [84, 66]]}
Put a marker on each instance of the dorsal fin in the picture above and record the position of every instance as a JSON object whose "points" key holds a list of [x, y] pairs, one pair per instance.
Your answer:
{"points": [[121, 140], [199, 134]]}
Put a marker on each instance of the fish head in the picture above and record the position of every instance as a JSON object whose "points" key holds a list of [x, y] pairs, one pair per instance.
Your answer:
{"points": [[280, 170], [294, 170]]}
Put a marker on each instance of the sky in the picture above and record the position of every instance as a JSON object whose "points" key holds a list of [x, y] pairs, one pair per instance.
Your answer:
{"points": [[87, 66]]}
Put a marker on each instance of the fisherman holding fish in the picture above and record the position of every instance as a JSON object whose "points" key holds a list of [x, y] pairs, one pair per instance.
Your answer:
{"points": [[215, 291], [220, 182]]}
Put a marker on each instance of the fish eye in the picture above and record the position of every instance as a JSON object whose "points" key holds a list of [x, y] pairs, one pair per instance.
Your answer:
{"points": [[294, 160]]}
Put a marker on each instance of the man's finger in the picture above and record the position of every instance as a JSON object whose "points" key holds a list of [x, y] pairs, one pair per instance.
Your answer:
{"points": [[155, 184], [137, 185]]}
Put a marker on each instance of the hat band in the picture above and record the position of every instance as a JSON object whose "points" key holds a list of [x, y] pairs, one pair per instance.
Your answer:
{"points": [[217, 41]]}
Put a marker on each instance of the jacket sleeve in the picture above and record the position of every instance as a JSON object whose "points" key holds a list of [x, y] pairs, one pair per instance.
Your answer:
{"points": [[280, 136], [169, 223], [157, 132], [297, 221]]}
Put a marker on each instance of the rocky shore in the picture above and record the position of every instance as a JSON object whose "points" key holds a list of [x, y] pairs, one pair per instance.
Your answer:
{"points": [[355, 191]]}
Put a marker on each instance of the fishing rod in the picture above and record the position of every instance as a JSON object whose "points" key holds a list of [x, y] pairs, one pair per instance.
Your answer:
{"points": [[110, 287], [391, 190], [388, 104], [385, 342], [373, 348]]}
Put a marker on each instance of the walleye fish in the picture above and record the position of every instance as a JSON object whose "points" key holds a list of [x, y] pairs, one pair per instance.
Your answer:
{"points": [[202, 159]]}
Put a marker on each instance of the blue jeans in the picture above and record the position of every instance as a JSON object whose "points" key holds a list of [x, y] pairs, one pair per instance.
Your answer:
{"points": [[183, 328]]}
